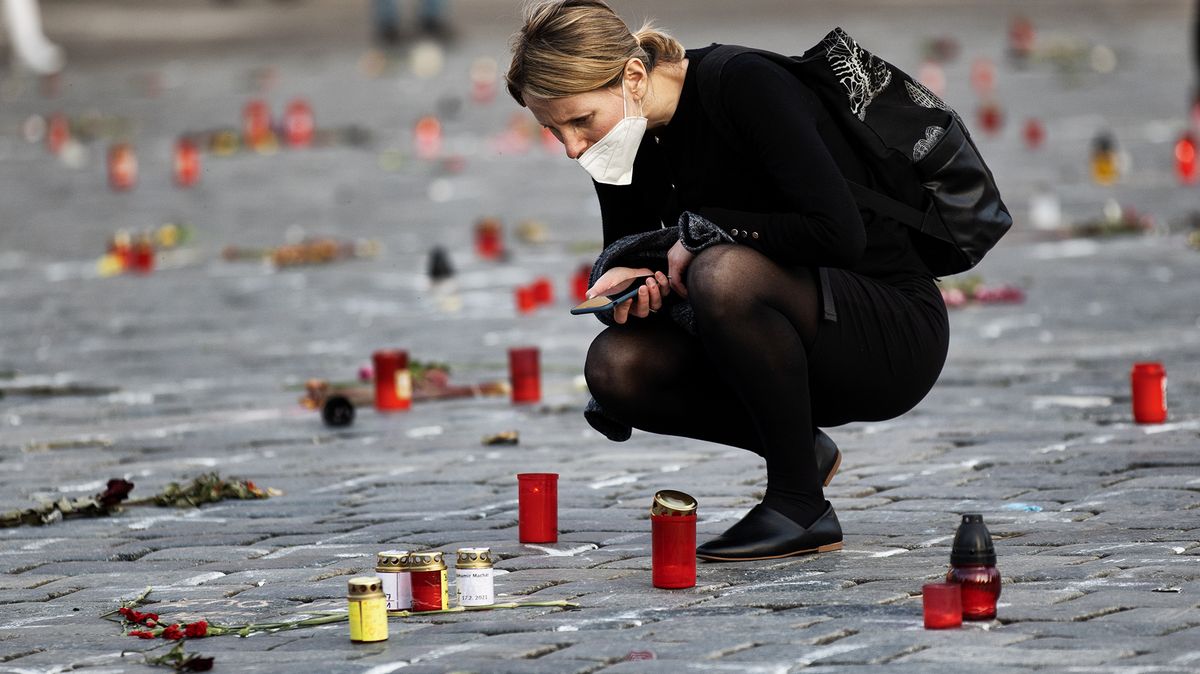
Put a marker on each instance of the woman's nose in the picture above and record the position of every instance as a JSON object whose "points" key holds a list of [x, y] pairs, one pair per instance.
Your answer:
{"points": [[575, 146]]}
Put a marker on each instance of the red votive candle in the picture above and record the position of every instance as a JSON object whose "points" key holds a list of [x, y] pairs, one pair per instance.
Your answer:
{"points": [[526, 298], [580, 282], [428, 572], [488, 242], [537, 498], [187, 163], [980, 585], [393, 382], [524, 373], [543, 290], [943, 605], [673, 540], [122, 167], [1149, 382]]}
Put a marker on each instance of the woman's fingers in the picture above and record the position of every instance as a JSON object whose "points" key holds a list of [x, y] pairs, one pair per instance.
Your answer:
{"points": [[664, 283], [654, 294]]}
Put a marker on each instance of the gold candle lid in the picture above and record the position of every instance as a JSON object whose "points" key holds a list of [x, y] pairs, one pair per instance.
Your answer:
{"points": [[474, 558], [423, 561], [671, 502], [390, 561], [366, 587]]}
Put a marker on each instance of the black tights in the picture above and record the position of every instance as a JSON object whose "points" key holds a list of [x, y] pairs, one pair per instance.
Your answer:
{"points": [[747, 380]]}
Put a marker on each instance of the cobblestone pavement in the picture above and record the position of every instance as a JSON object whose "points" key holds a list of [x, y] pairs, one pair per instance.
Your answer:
{"points": [[199, 367]]}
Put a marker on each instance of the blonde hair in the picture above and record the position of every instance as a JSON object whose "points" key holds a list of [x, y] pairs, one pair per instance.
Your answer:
{"points": [[569, 47]]}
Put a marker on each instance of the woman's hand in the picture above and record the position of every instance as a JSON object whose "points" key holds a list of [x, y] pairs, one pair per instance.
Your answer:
{"points": [[648, 299], [678, 259]]}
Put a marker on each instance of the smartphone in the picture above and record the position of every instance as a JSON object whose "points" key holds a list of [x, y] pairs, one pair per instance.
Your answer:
{"points": [[618, 293]]}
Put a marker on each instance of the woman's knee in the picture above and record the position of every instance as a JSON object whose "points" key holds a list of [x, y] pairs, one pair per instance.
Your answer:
{"points": [[608, 364], [716, 278]]}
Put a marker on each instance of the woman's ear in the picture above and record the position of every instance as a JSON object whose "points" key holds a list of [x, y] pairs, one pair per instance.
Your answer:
{"points": [[636, 78]]}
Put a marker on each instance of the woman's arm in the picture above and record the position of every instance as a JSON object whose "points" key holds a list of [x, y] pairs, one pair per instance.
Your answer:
{"points": [[774, 123]]}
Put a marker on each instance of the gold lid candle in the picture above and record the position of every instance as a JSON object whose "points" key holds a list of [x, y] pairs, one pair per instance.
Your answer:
{"points": [[397, 583], [368, 610], [673, 540], [474, 577], [428, 572]]}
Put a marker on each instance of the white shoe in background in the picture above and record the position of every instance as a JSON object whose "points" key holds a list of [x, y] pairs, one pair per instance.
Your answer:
{"points": [[31, 46]]}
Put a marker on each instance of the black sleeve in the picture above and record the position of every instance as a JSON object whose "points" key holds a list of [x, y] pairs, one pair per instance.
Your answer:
{"points": [[773, 120], [637, 207]]}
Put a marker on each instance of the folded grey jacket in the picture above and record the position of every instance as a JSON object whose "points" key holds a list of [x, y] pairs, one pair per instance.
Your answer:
{"points": [[649, 249]]}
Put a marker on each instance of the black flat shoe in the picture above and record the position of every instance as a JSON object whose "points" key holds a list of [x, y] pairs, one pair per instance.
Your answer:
{"points": [[829, 457], [767, 534]]}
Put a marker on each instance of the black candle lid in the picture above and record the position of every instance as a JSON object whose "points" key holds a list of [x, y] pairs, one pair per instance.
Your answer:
{"points": [[973, 542]]}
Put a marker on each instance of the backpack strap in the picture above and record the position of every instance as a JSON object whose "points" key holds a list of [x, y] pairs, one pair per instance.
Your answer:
{"points": [[708, 79]]}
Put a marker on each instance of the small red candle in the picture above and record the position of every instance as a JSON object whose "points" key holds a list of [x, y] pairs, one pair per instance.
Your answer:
{"points": [[488, 242], [991, 117], [428, 137], [943, 605], [1149, 383], [1034, 133], [543, 290], [580, 282], [980, 585], [524, 373], [526, 298], [187, 163], [428, 573], [122, 167], [1185, 158], [537, 498], [58, 133], [256, 122], [298, 123], [393, 382], [143, 256], [673, 540]]}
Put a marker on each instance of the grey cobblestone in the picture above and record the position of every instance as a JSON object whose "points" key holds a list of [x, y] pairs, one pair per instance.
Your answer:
{"points": [[198, 367]]}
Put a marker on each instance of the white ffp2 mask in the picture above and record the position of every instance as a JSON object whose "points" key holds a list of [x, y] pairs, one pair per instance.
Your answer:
{"points": [[610, 160]]}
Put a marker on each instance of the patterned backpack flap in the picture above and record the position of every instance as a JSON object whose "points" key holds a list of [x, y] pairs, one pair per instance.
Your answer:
{"points": [[932, 176]]}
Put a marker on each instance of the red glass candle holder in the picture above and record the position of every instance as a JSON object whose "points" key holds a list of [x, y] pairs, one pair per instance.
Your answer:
{"points": [[142, 259], [393, 382], [122, 167], [980, 589], [1185, 158], [187, 163], [58, 132], [543, 290], [673, 550], [580, 282], [488, 243], [526, 299], [298, 124], [429, 592], [1149, 383], [256, 122], [537, 498], [427, 137], [524, 373], [943, 605]]}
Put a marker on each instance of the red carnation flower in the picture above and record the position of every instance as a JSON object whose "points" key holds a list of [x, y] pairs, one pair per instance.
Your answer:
{"points": [[117, 491], [196, 629], [141, 634], [173, 632]]}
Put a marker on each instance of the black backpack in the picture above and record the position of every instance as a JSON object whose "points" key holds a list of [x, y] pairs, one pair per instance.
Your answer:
{"points": [[914, 145]]}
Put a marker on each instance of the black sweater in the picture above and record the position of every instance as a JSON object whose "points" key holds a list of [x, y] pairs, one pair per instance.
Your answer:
{"points": [[782, 182]]}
